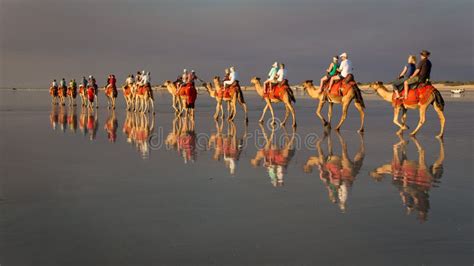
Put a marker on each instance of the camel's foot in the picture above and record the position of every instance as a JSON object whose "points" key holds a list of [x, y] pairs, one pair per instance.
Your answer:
{"points": [[74, 105], [246, 120], [294, 125], [216, 118], [337, 129], [440, 136], [404, 127], [361, 130], [260, 121], [413, 133]]}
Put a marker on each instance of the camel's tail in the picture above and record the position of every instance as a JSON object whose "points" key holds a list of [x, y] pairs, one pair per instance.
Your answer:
{"points": [[240, 96], [358, 96], [291, 95], [439, 99]]}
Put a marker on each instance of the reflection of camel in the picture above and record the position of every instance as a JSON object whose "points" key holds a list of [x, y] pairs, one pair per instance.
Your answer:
{"points": [[345, 101], [233, 96], [138, 129], [72, 119], [337, 172], [287, 98], [62, 118], [111, 94], [413, 178], [53, 117], [275, 156], [434, 98], [92, 123], [111, 126], [227, 147], [182, 138], [54, 93], [83, 120]]}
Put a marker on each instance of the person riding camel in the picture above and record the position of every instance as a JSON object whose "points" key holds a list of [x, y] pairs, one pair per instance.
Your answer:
{"points": [[406, 73], [62, 83], [130, 80], [226, 75], [84, 82], [271, 77], [184, 79], [421, 74], [345, 68], [192, 77], [330, 72], [233, 78], [54, 84], [72, 84]]}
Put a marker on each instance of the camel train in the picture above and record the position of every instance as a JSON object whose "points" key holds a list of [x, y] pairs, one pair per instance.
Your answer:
{"points": [[343, 92]]}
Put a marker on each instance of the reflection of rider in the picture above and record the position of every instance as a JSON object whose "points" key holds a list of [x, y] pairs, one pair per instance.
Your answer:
{"points": [[275, 159], [111, 126], [227, 146], [337, 172], [412, 178]]}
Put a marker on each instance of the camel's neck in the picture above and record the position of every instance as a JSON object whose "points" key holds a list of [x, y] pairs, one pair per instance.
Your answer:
{"points": [[259, 88], [211, 91], [384, 94], [217, 84], [171, 88], [313, 92]]}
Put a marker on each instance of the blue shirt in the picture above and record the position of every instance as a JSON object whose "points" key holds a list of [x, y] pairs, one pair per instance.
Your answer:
{"points": [[410, 70]]}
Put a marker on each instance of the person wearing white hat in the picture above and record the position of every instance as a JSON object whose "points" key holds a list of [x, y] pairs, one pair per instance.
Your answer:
{"points": [[281, 74], [184, 79], [234, 76], [345, 68], [271, 76]]}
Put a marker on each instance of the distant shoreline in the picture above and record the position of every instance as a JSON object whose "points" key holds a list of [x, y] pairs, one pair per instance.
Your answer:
{"points": [[468, 86]]}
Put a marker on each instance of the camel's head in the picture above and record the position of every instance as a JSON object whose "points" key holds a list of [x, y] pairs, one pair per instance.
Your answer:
{"points": [[255, 80], [167, 82], [376, 85], [217, 79], [307, 83]]}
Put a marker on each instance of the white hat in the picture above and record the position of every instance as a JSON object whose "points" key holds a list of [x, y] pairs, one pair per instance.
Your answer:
{"points": [[192, 70], [143, 72], [184, 70], [343, 55], [232, 68], [275, 64]]}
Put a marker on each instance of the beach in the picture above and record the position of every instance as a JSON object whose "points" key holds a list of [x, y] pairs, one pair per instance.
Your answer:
{"points": [[82, 187]]}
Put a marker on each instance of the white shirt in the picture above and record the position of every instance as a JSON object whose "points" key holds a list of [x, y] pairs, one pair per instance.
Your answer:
{"points": [[145, 79], [129, 80], [345, 68], [55, 84], [281, 74], [233, 77]]}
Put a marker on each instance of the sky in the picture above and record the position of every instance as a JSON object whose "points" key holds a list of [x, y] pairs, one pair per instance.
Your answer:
{"points": [[51, 39]]}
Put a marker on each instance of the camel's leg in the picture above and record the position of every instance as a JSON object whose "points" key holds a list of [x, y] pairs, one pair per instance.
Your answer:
{"points": [[330, 113], [216, 113], [222, 110], [362, 116], [293, 113], [318, 113], [396, 112], [421, 121], [442, 120], [96, 101], [174, 104], [287, 113], [152, 103], [271, 111], [343, 116], [244, 107], [404, 118], [263, 113], [233, 108]]}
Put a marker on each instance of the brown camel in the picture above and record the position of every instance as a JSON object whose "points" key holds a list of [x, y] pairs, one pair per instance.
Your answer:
{"points": [[434, 98], [345, 101], [231, 100], [111, 94], [287, 98], [178, 102]]}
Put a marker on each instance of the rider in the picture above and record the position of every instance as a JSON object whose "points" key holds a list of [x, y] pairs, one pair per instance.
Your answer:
{"points": [[271, 76], [421, 74], [233, 77], [192, 77], [129, 81], [72, 84], [62, 83], [84, 82], [330, 72], [406, 73], [145, 79], [54, 84], [281, 74], [345, 68]]}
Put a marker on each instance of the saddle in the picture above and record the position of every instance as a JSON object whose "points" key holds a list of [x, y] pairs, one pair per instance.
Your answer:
{"points": [[188, 90], [277, 91], [340, 88], [229, 91], [419, 94], [53, 91]]}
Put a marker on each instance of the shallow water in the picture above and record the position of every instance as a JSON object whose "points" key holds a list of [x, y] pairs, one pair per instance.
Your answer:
{"points": [[111, 188]]}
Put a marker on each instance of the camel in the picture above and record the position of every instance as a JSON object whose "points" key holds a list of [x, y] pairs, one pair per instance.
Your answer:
{"points": [[71, 95], [83, 95], [434, 98], [111, 93], [53, 91], [345, 101], [337, 172], [287, 98], [91, 96], [178, 102], [143, 99], [62, 95], [231, 99], [182, 138], [413, 178], [128, 94]]}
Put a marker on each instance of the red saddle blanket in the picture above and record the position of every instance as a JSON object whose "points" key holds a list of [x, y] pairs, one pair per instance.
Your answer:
{"points": [[91, 93], [339, 89], [277, 91], [420, 94], [188, 90], [228, 92]]}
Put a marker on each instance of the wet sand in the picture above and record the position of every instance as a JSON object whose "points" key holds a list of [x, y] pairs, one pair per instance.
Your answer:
{"points": [[82, 190]]}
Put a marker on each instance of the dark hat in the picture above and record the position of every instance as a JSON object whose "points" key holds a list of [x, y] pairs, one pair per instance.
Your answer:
{"points": [[425, 53]]}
